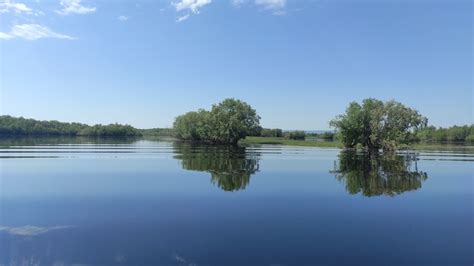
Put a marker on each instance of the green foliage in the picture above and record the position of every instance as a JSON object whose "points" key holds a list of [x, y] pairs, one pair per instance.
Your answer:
{"points": [[296, 135], [375, 175], [271, 133], [194, 126], [470, 138], [326, 136], [378, 125], [13, 126], [451, 134], [158, 132], [290, 142], [226, 123], [256, 131]]}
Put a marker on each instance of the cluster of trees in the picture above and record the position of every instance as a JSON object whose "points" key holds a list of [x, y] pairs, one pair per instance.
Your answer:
{"points": [[226, 123], [158, 132], [270, 133], [278, 133], [19, 126], [325, 135], [451, 134], [378, 125], [296, 135]]}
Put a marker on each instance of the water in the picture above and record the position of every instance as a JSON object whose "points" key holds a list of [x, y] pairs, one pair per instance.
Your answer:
{"points": [[135, 202]]}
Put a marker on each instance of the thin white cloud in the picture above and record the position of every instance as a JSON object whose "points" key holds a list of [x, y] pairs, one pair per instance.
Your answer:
{"points": [[192, 5], [239, 3], [30, 230], [5, 36], [32, 32], [182, 18], [74, 7], [277, 7], [271, 4], [122, 18], [11, 6]]}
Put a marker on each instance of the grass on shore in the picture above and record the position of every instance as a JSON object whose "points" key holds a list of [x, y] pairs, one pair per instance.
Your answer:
{"points": [[336, 144], [444, 146], [290, 142]]}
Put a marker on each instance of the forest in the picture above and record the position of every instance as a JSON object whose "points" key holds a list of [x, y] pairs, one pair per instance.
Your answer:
{"points": [[19, 126]]}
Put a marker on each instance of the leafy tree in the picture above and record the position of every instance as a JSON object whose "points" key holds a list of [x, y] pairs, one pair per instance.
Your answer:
{"points": [[256, 132], [232, 120], [193, 126], [226, 123], [378, 125]]}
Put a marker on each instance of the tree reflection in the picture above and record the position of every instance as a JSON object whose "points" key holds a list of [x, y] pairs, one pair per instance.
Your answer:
{"points": [[230, 166], [375, 175], [60, 140]]}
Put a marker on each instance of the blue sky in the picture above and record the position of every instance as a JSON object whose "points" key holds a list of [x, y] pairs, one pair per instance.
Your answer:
{"points": [[299, 63]]}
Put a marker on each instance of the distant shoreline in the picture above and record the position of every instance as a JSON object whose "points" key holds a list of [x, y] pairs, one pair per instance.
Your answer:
{"points": [[336, 144], [19, 127], [274, 141]]}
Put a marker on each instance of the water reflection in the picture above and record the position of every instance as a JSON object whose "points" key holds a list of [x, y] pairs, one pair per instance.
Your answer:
{"points": [[63, 140], [230, 166], [29, 230], [375, 175]]}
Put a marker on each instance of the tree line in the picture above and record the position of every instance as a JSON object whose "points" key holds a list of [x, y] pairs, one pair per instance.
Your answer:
{"points": [[279, 133], [158, 132], [450, 134], [19, 126], [372, 125]]}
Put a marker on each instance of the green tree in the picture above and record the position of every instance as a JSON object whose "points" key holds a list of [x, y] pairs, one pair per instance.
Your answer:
{"points": [[378, 125], [193, 126], [226, 123]]}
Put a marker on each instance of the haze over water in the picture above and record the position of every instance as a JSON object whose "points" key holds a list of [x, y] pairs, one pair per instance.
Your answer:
{"points": [[136, 202]]}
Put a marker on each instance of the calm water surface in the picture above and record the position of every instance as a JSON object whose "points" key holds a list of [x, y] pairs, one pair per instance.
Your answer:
{"points": [[165, 203]]}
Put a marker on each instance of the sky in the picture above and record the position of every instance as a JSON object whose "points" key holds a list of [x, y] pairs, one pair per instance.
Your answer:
{"points": [[297, 62]]}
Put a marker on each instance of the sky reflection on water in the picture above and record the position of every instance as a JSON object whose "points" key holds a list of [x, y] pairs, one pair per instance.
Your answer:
{"points": [[166, 203]]}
